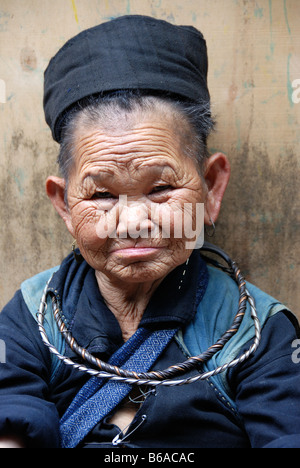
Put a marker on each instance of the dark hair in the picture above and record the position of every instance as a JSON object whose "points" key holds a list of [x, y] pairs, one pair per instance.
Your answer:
{"points": [[95, 107]]}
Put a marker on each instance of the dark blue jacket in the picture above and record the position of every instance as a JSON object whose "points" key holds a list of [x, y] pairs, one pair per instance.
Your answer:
{"points": [[259, 407]]}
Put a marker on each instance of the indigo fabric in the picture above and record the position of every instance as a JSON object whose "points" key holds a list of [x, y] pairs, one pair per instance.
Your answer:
{"points": [[265, 388], [130, 52], [97, 398]]}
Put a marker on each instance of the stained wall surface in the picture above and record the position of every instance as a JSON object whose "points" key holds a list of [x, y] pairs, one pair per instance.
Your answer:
{"points": [[254, 50]]}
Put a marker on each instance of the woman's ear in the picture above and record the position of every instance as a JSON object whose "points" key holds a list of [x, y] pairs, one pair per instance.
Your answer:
{"points": [[55, 189], [216, 175]]}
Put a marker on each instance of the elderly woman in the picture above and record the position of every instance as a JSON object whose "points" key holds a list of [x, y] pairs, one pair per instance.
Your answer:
{"points": [[138, 341]]}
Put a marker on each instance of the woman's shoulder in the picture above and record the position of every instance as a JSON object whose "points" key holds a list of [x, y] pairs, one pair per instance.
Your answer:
{"points": [[223, 292], [216, 311], [33, 287]]}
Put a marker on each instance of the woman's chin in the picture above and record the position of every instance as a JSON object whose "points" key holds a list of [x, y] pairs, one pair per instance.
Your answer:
{"points": [[128, 268]]}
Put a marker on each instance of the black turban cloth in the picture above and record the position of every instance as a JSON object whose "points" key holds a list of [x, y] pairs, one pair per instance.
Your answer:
{"points": [[129, 52]]}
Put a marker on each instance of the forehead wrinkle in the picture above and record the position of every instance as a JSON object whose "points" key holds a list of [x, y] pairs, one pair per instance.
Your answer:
{"points": [[119, 137], [110, 155]]}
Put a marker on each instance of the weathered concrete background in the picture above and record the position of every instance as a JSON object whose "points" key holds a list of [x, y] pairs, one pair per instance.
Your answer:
{"points": [[254, 49]]}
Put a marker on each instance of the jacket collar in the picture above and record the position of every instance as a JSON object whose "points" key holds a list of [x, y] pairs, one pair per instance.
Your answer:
{"points": [[94, 326]]}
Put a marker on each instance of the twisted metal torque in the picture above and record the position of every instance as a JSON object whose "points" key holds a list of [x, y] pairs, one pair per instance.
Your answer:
{"points": [[163, 377]]}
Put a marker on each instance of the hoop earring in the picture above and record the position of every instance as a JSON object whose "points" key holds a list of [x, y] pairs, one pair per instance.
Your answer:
{"points": [[77, 256], [210, 233]]}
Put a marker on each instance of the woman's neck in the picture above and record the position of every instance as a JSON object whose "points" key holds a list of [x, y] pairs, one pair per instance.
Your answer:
{"points": [[126, 301]]}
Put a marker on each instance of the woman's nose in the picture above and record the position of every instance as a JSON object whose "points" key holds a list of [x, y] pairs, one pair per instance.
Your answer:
{"points": [[134, 220]]}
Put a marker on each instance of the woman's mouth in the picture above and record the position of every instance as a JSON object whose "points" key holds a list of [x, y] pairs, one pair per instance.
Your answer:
{"points": [[138, 252]]}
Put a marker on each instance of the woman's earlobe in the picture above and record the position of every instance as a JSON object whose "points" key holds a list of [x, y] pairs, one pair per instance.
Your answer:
{"points": [[217, 174]]}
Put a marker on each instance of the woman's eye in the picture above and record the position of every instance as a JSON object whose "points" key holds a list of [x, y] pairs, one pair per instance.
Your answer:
{"points": [[160, 188], [102, 196]]}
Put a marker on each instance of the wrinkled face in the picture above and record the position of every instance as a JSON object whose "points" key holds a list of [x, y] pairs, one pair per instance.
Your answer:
{"points": [[133, 197]]}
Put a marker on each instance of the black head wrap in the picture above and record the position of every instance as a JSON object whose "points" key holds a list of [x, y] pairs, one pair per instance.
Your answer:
{"points": [[130, 52]]}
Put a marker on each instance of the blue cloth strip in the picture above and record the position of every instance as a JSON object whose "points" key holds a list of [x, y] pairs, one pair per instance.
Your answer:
{"points": [[98, 397]]}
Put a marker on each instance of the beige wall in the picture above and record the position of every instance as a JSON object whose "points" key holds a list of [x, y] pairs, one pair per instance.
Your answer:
{"points": [[254, 49]]}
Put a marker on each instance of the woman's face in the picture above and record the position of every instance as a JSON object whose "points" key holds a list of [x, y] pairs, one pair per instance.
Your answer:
{"points": [[135, 199]]}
